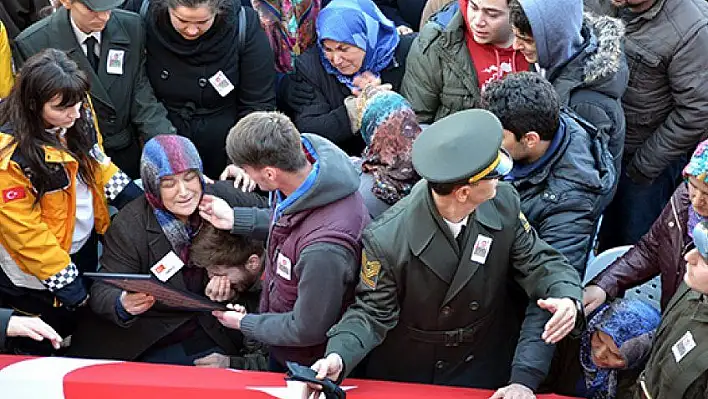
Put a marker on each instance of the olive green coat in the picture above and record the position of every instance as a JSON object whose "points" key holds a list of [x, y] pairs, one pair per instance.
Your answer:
{"points": [[415, 280], [440, 78], [665, 377]]}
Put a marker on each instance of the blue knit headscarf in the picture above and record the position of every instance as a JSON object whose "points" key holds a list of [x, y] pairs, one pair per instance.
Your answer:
{"points": [[167, 155], [357, 23], [623, 320]]}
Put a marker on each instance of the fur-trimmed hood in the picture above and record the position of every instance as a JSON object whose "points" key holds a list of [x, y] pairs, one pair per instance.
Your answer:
{"points": [[600, 64], [607, 57]]}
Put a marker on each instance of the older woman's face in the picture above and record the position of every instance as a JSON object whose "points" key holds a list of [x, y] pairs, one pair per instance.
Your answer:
{"points": [[605, 353], [192, 23], [181, 193], [698, 193], [346, 58]]}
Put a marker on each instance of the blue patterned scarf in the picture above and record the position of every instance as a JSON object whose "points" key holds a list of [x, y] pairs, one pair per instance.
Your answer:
{"points": [[357, 23]]}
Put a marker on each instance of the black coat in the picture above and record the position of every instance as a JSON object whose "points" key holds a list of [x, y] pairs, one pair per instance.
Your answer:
{"points": [[17, 15], [179, 71], [133, 244], [326, 115]]}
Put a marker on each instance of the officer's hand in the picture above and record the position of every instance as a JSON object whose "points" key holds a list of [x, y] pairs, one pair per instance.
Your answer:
{"points": [[215, 360], [219, 289], [136, 303], [32, 327], [513, 391], [403, 30], [241, 179], [563, 320], [330, 367], [217, 212], [593, 297]]}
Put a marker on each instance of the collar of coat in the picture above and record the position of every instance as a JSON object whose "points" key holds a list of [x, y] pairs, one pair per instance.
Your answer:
{"points": [[114, 36], [428, 221]]}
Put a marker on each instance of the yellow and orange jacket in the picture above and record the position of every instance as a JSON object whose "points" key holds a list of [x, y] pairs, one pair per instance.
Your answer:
{"points": [[6, 76], [35, 239]]}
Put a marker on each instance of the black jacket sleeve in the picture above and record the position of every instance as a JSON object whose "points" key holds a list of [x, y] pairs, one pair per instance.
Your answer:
{"points": [[389, 8], [5, 315]]}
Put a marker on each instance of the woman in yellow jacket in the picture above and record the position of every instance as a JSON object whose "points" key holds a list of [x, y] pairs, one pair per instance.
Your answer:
{"points": [[55, 183], [5, 63]]}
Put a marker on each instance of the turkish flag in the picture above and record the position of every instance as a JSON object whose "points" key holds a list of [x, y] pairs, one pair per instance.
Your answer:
{"points": [[13, 193]]}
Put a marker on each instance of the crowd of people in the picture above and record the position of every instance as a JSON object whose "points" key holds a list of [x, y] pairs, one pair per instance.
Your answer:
{"points": [[396, 190]]}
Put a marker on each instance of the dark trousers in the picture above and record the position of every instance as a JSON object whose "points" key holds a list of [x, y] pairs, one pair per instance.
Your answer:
{"points": [[44, 305], [635, 207], [127, 159]]}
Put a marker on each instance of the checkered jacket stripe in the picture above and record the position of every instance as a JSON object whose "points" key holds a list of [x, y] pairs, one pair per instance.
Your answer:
{"points": [[60, 280], [116, 184]]}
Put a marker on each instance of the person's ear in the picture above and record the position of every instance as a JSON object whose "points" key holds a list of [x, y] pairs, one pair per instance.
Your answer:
{"points": [[531, 139], [66, 3], [270, 173], [462, 193], [253, 264]]}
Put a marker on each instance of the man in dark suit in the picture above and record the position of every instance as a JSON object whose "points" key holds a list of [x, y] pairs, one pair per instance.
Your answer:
{"points": [[109, 45], [19, 14]]}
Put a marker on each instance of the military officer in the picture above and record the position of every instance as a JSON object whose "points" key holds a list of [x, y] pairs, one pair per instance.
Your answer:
{"points": [[677, 366], [435, 300], [109, 45]]}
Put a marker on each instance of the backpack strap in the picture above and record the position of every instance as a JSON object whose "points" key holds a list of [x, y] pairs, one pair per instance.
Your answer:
{"points": [[241, 28], [144, 8]]}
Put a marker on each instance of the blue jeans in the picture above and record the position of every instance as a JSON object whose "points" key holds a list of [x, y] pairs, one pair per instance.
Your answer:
{"points": [[635, 207]]}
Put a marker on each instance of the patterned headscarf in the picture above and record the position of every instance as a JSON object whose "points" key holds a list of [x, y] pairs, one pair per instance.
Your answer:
{"points": [[697, 167], [167, 155], [358, 23], [389, 126], [626, 321]]}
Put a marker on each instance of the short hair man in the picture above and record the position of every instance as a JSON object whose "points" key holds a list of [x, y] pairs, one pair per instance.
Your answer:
{"points": [[91, 32], [314, 230], [449, 64], [564, 176], [433, 303], [581, 56], [666, 106], [234, 264]]}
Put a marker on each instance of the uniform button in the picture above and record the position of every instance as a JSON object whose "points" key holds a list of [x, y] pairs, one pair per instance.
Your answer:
{"points": [[446, 310], [474, 305], [202, 82], [112, 119], [553, 196], [439, 365], [164, 74], [671, 224], [469, 358]]}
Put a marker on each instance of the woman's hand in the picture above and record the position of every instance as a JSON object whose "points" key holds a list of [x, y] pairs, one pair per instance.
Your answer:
{"points": [[240, 177], [219, 289], [136, 303]]}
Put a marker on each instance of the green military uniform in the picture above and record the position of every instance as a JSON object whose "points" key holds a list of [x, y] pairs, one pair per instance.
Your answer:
{"points": [[678, 365], [432, 311]]}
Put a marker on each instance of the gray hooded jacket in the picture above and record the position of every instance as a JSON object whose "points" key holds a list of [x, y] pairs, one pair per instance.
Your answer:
{"points": [[584, 60]]}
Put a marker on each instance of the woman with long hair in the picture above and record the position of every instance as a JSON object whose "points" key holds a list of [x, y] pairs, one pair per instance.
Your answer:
{"points": [[55, 185]]}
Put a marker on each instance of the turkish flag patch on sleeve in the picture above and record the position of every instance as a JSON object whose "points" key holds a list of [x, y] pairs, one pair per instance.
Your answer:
{"points": [[12, 194]]}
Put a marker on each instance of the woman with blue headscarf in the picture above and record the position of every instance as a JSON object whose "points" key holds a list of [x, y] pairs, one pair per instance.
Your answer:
{"points": [[356, 46]]}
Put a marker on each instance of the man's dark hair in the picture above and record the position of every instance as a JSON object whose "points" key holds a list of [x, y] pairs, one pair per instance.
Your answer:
{"points": [[447, 188], [518, 18], [263, 139], [524, 102], [212, 247]]}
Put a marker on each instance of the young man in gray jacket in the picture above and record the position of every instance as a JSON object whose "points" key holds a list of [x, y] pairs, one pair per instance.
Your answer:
{"points": [[314, 232]]}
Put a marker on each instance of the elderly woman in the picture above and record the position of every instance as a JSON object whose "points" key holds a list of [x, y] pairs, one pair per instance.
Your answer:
{"points": [[661, 250], [388, 127], [56, 184], [204, 72], [611, 352], [160, 224], [357, 46]]}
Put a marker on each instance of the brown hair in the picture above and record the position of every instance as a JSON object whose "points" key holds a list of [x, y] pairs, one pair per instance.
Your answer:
{"points": [[213, 247], [266, 139]]}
